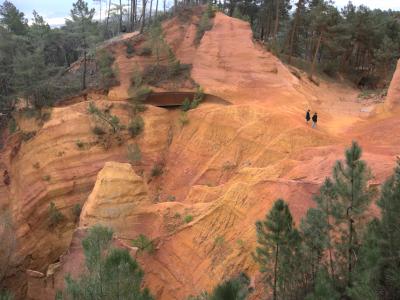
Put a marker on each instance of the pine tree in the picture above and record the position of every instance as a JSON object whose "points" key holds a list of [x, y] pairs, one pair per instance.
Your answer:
{"points": [[354, 197], [314, 229], [326, 201], [13, 19], [83, 29], [379, 269], [112, 273], [275, 237]]}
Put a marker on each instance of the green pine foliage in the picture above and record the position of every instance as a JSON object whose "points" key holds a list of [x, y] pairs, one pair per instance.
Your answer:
{"points": [[5, 295], [338, 252], [204, 25], [111, 273], [134, 154], [108, 76], [136, 126], [377, 275], [278, 240], [236, 288], [55, 215], [354, 197], [144, 244]]}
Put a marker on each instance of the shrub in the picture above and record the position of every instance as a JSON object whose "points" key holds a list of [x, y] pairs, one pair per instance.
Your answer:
{"points": [[331, 68], [92, 109], [136, 126], [46, 177], [98, 130], [6, 295], [186, 104], [144, 51], [144, 244], [240, 243], [198, 97], [171, 198], [183, 119], [130, 50], [80, 144], [238, 15], [134, 154], [114, 121], [204, 25], [30, 113], [36, 165], [111, 273], [55, 216], [12, 126], [188, 218], [157, 170], [142, 93], [26, 136], [219, 241], [45, 116], [177, 215], [76, 211], [105, 61]]}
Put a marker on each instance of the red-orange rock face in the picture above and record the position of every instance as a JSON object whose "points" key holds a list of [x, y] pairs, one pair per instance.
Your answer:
{"points": [[220, 172]]}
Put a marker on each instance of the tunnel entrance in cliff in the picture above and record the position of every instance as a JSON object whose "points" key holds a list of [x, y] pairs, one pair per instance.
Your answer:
{"points": [[175, 99]]}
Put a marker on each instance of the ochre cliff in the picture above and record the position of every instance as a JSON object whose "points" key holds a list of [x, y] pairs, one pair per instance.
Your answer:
{"points": [[220, 172]]}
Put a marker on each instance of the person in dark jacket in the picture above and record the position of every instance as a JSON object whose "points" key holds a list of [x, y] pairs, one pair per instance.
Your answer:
{"points": [[314, 120], [308, 117]]}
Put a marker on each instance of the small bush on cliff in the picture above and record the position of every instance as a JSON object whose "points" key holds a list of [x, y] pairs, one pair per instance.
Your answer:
{"points": [[188, 218], [136, 126], [130, 50], [5, 295], [183, 119], [134, 154], [111, 273], [108, 75], [76, 211], [186, 105], [204, 25], [12, 125], [157, 169], [26, 136], [236, 288], [144, 244], [55, 216]]}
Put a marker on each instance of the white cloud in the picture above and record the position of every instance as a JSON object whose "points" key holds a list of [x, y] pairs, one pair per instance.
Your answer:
{"points": [[55, 21], [382, 4]]}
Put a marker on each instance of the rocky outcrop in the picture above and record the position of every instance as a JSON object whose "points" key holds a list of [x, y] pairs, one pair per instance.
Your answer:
{"points": [[117, 197], [393, 95]]}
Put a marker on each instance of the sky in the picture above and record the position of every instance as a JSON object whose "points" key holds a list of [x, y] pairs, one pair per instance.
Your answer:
{"points": [[55, 11]]}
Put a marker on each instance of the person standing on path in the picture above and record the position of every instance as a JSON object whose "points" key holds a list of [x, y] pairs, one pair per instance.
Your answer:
{"points": [[314, 120], [308, 117]]}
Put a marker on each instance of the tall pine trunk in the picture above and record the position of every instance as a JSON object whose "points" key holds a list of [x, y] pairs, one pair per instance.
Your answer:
{"points": [[350, 221], [84, 70], [164, 6], [156, 9], [151, 8], [120, 16], [295, 21], [275, 271], [276, 27], [143, 16], [108, 16], [315, 56]]}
